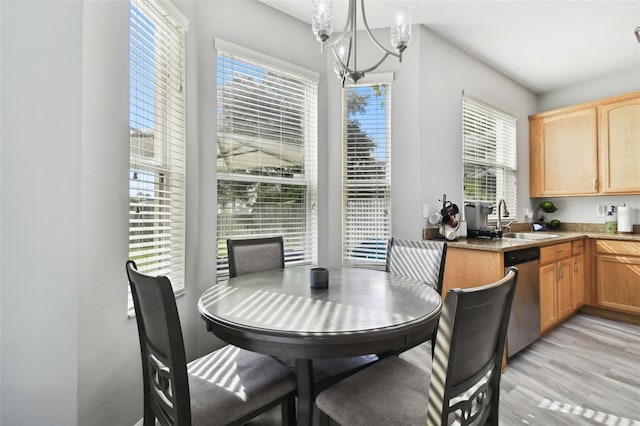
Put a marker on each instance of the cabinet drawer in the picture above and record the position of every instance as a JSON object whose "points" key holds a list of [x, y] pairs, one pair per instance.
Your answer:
{"points": [[629, 248], [555, 252], [577, 247]]}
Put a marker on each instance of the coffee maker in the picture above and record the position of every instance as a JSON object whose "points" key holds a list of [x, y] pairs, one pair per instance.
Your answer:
{"points": [[477, 215]]}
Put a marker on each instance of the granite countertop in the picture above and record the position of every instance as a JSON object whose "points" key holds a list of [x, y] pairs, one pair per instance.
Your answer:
{"points": [[508, 244]]}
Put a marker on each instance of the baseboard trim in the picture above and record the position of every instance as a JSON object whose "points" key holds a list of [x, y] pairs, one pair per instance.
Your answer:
{"points": [[612, 315]]}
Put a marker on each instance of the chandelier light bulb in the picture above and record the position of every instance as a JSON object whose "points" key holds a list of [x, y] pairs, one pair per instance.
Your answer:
{"points": [[401, 29], [342, 50], [322, 24]]}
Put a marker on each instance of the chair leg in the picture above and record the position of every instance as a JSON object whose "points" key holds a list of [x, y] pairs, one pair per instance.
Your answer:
{"points": [[149, 419], [288, 407], [323, 419]]}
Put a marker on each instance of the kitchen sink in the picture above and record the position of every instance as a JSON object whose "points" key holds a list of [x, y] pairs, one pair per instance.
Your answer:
{"points": [[528, 236]]}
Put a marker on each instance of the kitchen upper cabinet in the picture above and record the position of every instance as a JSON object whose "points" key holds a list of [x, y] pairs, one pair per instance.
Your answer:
{"points": [[564, 153], [620, 145], [587, 149], [618, 275]]}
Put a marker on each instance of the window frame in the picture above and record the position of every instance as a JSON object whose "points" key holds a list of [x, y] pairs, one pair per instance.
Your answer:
{"points": [[157, 140], [364, 245], [301, 246], [477, 136]]}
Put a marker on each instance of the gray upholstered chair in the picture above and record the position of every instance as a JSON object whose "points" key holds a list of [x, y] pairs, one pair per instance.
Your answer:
{"points": [[254, 255], [420, 260], [227, 387], [260, 254], [464, 384]]}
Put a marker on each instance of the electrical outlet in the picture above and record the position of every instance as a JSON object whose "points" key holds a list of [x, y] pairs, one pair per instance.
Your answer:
{"points": [[602, 210], [425, 211]]}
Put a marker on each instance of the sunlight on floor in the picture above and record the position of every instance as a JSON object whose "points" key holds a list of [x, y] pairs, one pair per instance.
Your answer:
{"points": [[596, 416]]}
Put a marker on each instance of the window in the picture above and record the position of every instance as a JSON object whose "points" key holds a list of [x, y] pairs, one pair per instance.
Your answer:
{"points": [[267, 153], [489, 155], [366, 173], [157, 141]]}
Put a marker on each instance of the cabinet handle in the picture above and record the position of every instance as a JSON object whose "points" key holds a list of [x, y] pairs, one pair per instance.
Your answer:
{"points": [[595, 184], [559, 273]]}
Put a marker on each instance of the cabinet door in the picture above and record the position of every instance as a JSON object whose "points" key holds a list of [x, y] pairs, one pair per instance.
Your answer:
{"points": [[618, 282], [567, 157], [564, 284], [620, 145], [578, 281], [548, 316]]}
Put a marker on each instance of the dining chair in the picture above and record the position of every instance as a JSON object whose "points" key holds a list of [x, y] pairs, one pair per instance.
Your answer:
{"points": [[421, 260], [464, 384], [260, 254], [254, 255], [229, 386]]}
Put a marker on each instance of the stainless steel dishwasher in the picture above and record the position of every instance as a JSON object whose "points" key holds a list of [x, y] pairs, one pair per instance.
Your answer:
{"points": [[524, 322]]}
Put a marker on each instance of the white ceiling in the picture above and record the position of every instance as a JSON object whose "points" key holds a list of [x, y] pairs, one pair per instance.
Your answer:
{"points": [[543, 45]]}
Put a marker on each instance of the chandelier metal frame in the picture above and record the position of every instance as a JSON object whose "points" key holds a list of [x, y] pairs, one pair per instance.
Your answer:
{"points": [[344, 47]]}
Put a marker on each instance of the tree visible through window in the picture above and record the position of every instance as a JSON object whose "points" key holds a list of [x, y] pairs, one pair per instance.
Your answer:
{"points": [[366, 173]]}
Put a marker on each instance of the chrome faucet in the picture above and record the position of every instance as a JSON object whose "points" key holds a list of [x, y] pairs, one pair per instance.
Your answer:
{"points": [[505, 213]]}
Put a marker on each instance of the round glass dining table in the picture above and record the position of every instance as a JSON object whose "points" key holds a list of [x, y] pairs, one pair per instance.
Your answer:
{"points": [[363, 311]]}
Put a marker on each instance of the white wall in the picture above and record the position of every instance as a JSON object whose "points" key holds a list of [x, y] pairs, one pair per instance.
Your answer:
{"points": [[625, 81], [1, 138], [41, 210], [584, 209], [109, 379], [445, 72]]}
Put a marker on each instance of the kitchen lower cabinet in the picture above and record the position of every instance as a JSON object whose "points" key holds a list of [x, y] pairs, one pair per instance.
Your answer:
{"points": [[577, 276], [556, 281], [471, 268], [618, 275], [564, 282], [548, 316]]}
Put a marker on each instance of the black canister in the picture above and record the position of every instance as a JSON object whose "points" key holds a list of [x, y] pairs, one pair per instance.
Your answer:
{"points": [[319, 278]]}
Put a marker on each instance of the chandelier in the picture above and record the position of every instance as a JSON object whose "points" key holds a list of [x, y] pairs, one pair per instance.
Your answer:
{"points": [[344, 47]]}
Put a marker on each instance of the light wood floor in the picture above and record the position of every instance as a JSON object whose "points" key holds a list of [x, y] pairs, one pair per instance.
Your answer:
{"points": [[585, 372]]}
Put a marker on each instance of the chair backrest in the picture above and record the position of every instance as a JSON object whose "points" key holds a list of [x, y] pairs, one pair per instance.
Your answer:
{"points": [[467, 360], [254, 255], [164, 366], [420, 260]]}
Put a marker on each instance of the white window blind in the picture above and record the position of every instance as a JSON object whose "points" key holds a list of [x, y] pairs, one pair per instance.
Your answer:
{"points": [[366, 171], [267, 156], [157, 141], [489, 155]]}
